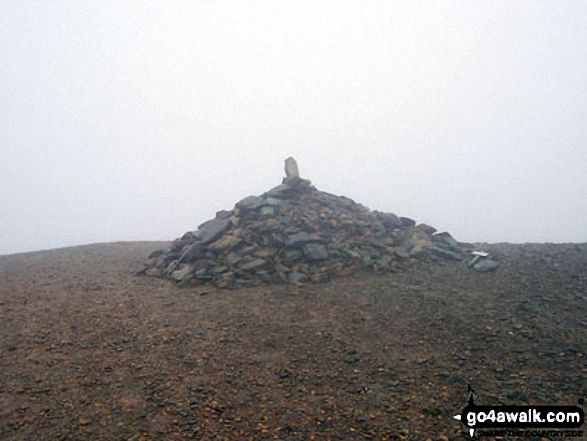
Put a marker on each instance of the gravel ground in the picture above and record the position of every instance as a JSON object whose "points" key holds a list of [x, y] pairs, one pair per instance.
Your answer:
{"points": [[89, 350]]}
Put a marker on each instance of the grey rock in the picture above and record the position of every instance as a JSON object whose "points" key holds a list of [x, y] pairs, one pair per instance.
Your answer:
{"points": [[155, 272], [226, 242], [291, 168], [282, 269], [183, 274], [390, 220], [193, 252], [265, 253], [254, 265], [171, 267], [297, 277], [366, 260], [218, 270], [291, 256], [232, 259], [190, 236], [360, 224], [485, 265], [272, 202], [291, 230], [315, 251], [426, 229], [407, 243], [156, 253], [210, 230], [249, 203], [445, 253], [280, 192], [448, 240], [248, 250], [416, 251], [407, 222], [378, 229], [267, 211], [300, 239], [203, 274]]}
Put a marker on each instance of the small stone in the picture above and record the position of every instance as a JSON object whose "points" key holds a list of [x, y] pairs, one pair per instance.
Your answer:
{"points": [[265, 253], [267, 211], [315, 251], [407, 222], [390, 220], [224, 214], [446, 253], [272, 202], [426, 229], [232, 259], [448, 240], [153, 272], [280, 192], [297, 277], [292, 256], [282, 269], [156, 253], [183, 274], [171, 267], [485, 265], [416, 251], [299, 239], [378, 229], [254, 265], [218, 270], [249, 203], [283, 373], [225, 242]]}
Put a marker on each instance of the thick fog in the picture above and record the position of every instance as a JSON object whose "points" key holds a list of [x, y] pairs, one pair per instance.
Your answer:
{"points": [[138, 120]]}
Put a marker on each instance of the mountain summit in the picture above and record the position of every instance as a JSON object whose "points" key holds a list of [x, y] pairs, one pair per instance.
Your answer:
{"points": [[295, 233]]}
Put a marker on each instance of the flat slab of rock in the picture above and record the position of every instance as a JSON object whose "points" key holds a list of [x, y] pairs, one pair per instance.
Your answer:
{"points": [[453, 255], [254, 264], [300, 239], [210, 230], [249, 203], [273, 202]]}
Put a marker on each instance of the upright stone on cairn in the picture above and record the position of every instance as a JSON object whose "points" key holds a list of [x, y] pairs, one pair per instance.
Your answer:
{"points": [[291, 169]]}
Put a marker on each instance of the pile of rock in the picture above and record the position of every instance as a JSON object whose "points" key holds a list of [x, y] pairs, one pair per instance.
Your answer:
{"points": [[295, 233]]}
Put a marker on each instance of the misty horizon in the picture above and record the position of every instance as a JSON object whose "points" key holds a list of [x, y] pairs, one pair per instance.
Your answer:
{"points": [[123, 122]]}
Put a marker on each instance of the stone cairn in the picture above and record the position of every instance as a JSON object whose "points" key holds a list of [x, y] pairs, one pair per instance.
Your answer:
{"points": [[295, 233]]}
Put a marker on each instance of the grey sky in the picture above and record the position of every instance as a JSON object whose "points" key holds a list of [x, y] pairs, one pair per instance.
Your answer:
{"points": [[138, 120]]}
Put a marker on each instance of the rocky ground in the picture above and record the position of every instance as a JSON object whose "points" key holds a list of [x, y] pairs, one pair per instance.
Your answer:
{"points": [[90, 350]]}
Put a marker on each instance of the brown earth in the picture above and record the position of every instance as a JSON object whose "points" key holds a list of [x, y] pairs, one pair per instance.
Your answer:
{"points": [[89, 350]]}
